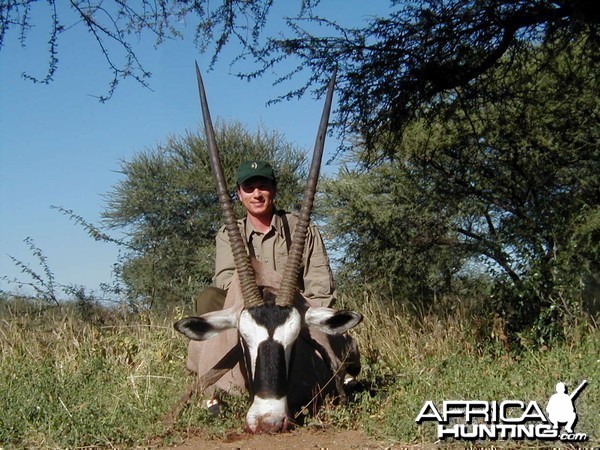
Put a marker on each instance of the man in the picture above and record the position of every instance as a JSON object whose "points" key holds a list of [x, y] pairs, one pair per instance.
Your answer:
{"points": [[267, 233]]}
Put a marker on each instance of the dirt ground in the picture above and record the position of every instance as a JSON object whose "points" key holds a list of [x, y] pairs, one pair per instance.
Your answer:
{"points": [[297, 439]]}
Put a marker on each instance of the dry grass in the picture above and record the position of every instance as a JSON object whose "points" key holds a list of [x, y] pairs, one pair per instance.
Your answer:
{"points": [[108, 378], [412, 357]]}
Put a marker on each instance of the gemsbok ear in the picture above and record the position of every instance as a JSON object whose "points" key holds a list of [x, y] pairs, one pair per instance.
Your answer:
{"points": [[206, 326], [331, 321]]}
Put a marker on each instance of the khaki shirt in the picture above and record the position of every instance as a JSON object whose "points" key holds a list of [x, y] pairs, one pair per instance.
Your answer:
{"points": [[271, 249]]}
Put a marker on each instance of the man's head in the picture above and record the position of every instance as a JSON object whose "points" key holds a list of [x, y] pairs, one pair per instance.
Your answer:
{"points": [[256, 187]]}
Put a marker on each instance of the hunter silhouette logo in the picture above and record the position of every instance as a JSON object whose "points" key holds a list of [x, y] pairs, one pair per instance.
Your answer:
{"points": [[507, 419], [560, 407]]}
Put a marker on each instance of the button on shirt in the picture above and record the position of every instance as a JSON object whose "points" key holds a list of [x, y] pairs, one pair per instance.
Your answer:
{"points": [[271, 249]]}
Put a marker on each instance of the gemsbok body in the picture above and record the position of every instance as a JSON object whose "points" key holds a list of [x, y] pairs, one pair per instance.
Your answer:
{"points": [[269, 340]]}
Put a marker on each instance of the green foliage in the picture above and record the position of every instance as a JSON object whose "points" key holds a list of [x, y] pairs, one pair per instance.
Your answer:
{"points": [[390, 66], [67, 382], [45, 286], [459, 356], [43, 283], [386, 242], [507, 182], [110, 381], [167, 205], [71, 382]]}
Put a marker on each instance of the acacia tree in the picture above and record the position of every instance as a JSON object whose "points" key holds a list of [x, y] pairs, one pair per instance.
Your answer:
{"points": [[445, 70], [509, 181], [167, 204], [388, 69]]}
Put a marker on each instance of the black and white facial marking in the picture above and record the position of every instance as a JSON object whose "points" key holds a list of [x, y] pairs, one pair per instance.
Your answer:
{"points": [[268, 333]]}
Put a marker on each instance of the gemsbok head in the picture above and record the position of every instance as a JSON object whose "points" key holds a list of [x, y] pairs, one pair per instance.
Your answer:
{"points": [[264, 312]]}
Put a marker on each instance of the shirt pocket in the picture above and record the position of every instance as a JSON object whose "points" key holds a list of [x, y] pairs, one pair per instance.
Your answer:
{"points": [[281, 255]]}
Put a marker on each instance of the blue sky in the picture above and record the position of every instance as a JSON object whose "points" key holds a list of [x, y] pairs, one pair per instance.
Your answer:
{"points": [[60, 146]]}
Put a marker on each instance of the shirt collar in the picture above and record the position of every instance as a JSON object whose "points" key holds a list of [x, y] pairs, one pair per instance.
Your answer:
{"points": [[276, 224]]}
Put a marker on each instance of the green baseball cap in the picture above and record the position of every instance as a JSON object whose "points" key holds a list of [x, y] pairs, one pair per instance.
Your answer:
{"points": [[254, 168]]}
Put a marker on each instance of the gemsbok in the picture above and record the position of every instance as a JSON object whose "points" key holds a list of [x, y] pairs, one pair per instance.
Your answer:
{"points": [[268, 340]]}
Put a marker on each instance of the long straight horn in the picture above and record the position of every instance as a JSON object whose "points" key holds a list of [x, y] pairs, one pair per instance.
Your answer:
{"points": [[238, 248], [289, 283]]}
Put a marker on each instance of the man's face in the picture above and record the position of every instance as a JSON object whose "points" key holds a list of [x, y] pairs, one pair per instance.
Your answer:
{"points": [[257, 194]]}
